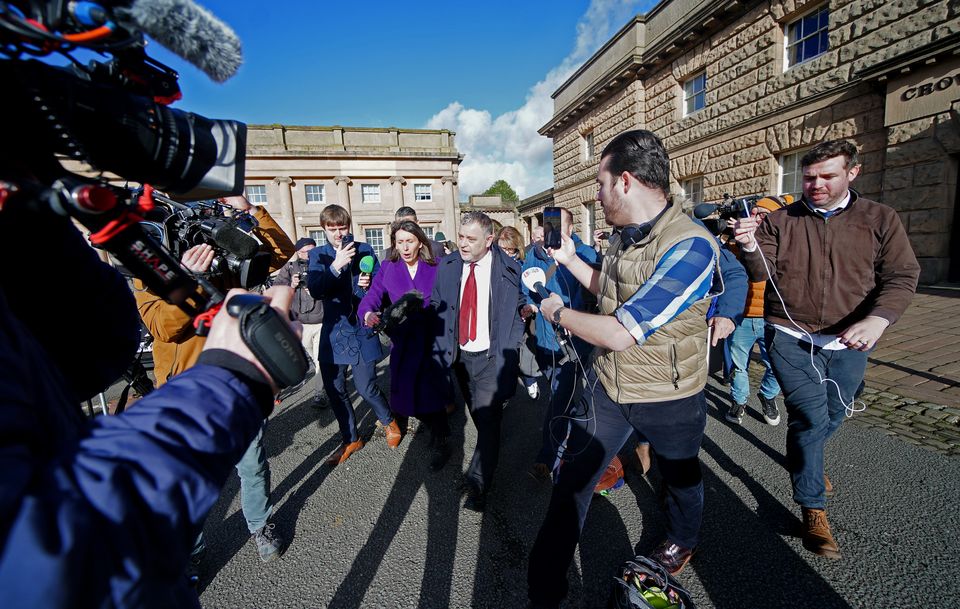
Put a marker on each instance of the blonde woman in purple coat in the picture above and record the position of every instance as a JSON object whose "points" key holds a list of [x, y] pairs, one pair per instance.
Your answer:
{"points": [[414, 374]]}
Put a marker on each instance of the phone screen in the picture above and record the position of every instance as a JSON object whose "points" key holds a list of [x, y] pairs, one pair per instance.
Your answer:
{"points": [[346, 240], [551, 227], [744, 209]]}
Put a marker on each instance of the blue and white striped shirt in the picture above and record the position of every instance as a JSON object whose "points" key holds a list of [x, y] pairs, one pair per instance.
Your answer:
{"points": [[682, 277]]}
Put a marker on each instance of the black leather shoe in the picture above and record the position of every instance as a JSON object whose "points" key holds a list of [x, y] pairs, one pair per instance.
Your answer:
{"points": [[673, 557], [440, 452], [476, 500]]}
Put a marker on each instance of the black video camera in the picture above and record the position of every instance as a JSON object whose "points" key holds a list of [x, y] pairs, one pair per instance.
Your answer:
{"points": [[237, 252]]}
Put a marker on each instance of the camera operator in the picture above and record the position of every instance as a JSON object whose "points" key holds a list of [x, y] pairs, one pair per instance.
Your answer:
{"points": [[176, 348], [306, 309], [105, 512]]}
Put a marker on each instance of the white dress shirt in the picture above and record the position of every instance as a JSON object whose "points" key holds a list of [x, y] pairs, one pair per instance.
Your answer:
{"points": [[482, 274]]}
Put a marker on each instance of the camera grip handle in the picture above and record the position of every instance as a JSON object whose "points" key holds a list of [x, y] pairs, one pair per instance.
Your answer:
{"points": [[270, 338]]}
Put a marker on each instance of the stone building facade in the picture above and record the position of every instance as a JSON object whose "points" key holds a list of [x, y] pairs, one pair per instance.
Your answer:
{"points": [[297, 171], [738, 90]]}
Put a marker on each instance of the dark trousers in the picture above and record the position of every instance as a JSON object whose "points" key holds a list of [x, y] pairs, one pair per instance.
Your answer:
{"points": [[485, 394], [599, 429], [365, 380], [563, 388], [814, 409]]}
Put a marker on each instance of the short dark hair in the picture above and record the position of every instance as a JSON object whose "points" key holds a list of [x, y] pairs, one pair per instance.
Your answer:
{"points": [[828, 150], [640, 153], [478, 216], [426, 254], [334, 215], [404, 212]]}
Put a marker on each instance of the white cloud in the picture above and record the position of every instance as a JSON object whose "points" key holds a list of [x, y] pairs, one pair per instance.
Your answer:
{"points": [[508, 146]]}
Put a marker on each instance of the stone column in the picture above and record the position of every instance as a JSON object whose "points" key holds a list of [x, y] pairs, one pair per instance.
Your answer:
{"points": [[451, 216], [398, 182], [287, 219], [343, 193]]}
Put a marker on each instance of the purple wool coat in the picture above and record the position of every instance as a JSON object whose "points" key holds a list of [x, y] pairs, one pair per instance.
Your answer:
{"points": [[415, 376]]}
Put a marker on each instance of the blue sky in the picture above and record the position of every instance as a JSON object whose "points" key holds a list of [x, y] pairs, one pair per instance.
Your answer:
{"points": [[485, 70]]}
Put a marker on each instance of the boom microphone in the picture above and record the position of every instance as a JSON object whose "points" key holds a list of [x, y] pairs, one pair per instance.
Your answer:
{"points": [[187, 29], [704, 210]]}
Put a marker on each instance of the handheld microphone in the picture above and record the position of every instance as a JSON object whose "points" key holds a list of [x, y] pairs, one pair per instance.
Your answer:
{"points": [[188, 30], [533, 279], [366, 265]]}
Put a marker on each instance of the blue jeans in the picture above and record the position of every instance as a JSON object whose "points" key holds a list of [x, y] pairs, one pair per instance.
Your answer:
{"points": [[814, 410], [254, 472], [741, 342], [562, 396], [674, 428], [365, 380]]}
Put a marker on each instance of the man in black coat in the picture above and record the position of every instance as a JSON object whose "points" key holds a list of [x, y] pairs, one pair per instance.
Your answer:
{"points": [[477, 298]]}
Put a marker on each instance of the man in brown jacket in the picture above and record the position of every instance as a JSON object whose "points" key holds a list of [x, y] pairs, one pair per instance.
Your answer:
{"points": [[843, 270], [176, 347]]}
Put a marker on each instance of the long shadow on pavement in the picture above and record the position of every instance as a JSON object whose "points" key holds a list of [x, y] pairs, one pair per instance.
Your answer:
{"points": [[443, 507], [744, 561]]}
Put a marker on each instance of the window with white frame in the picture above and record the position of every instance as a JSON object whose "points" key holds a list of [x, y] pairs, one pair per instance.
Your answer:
{"points": [[807, 37], [370, 193], [693, 189], [587, 144], [422, 192], [314, 194], [374, 238], [428, 231], [695, 93], [257, 194], [791, 174], [318, 235]]}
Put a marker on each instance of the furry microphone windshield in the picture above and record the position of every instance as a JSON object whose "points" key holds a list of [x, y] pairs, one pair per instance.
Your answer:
{"points": [[190, 31]]}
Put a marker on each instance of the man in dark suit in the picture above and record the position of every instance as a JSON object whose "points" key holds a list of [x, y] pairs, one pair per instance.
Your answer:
{"points": [[477, 298], [335, 278]]}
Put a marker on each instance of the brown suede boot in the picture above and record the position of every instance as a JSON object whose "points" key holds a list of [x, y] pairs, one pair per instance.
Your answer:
{"points": [[817, 536], [343, 453], [394, 435]]}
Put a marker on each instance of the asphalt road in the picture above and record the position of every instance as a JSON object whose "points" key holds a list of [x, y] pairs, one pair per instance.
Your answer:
{"points": [[383, 531]]}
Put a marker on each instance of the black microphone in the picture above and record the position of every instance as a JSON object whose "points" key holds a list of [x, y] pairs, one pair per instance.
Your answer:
{"points": [[704, 210], [187, 29], [227, 236]]}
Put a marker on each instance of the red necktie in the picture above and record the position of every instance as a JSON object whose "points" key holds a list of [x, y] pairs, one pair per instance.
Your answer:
{"points": [[468, 308]]}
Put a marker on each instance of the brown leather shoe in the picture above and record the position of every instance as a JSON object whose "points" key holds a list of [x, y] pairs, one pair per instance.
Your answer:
{"points": [[394, 435], [343, 453], [673, 557], [828, 486], [817, 536]]}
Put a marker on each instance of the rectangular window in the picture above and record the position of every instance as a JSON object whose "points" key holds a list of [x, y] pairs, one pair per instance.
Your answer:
{"points": [[588, 150], [791, 175], [374, 238], [257, 195], [693, 189], [428, 231], [807, 36], [318, 235], [370, 193], [314, 193], [422, 192], [695, 94]]}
